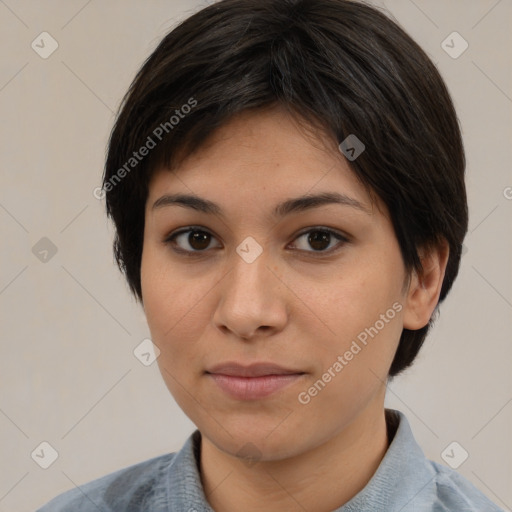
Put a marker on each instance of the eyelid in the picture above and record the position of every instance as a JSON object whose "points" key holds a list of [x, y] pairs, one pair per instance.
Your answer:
{"points": [[169, 240], [341, 237]]}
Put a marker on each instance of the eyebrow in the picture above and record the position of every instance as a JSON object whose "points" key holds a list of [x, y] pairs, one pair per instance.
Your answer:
{"points": [[294, 205]]}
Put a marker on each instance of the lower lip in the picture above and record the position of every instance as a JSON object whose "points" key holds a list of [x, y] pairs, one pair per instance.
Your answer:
{"points": [[253, 388]]}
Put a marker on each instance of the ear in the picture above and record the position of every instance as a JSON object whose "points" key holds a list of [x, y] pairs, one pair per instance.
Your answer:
{"points": [[423, 293]]}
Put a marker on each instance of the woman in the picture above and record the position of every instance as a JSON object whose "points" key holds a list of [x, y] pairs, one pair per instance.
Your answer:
{"points": [[286, 180]]}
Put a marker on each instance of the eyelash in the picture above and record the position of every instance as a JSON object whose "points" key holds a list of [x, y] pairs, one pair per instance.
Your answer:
{"points": [[170, 240]]}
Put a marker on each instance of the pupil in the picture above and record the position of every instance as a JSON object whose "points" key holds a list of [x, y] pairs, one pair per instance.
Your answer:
{"points": [[199, 240], [319, 238]]}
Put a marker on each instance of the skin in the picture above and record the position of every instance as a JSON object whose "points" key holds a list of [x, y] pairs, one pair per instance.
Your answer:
{"points": [[295, 306]]}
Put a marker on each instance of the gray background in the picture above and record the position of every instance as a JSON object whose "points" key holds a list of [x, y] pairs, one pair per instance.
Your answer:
{"points": [[68, 324]]}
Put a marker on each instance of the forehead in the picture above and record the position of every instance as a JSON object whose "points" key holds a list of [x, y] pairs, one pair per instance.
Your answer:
{"points": [[258, 158]]}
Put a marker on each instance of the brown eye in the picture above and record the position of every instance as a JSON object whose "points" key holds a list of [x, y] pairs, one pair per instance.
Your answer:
{"points": [[320, 240], [199, 240], [194, 241], [190, 240]]}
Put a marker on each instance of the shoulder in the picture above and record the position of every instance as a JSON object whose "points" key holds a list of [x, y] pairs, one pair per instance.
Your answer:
{"points": [[141, 485], [407, 481], [455, 492]]}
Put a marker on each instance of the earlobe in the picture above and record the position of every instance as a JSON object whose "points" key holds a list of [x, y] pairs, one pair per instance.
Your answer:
{"points": [[424, 290]]}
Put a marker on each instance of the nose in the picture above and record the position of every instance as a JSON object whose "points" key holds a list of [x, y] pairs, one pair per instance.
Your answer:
{"points": [[252, 299]]}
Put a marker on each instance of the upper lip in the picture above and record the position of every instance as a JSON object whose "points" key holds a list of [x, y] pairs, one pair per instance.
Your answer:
{"points": [[251, 370]]}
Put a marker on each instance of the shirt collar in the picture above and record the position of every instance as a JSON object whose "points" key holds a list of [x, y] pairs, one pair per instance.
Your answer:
{"points": [[401, 476]]}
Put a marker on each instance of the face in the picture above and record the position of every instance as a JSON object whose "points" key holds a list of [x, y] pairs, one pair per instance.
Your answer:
{"points": [[315, 288]]}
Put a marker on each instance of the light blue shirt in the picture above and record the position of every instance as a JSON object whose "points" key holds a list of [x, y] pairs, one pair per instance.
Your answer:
{"points": [[405, 481]]}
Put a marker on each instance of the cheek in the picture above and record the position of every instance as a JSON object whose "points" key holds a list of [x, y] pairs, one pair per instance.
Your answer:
{"points": [[357, 319], [163, 294], [175, 306], [172, 315], [342, 305], [355, 353]]}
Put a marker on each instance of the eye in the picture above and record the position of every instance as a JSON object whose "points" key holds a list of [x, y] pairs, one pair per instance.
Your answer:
{"points": [[320, 239], [195, 238], [193, 241]]}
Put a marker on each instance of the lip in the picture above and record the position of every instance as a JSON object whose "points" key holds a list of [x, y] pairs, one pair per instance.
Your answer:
{"points": [[252, 382], [251, 370]]}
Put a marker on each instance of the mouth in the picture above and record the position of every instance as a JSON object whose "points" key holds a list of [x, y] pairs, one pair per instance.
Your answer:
{"points": [[252, 382]]}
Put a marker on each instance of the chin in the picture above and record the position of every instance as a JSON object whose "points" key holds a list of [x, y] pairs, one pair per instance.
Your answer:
{"points": [[254, 439]]}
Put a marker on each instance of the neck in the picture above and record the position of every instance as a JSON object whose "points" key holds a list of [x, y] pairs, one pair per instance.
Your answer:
{"points": [[321, 479]]}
